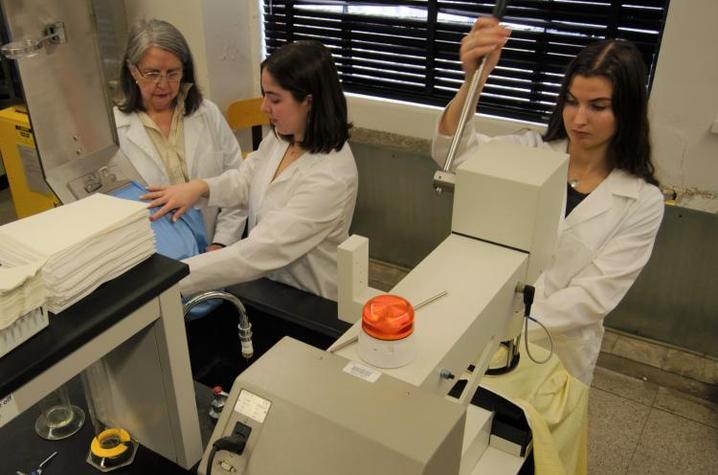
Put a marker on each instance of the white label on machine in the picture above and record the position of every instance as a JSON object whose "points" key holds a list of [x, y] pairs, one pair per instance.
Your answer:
{"points": [[8, 409], [252, 406], [362, 372]]}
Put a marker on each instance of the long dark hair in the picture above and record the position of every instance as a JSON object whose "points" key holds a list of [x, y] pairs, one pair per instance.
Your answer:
{"points": [[306, 68], [620, 62], [143, 35]]}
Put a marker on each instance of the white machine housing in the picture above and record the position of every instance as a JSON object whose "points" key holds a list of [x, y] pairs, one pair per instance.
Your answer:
{"points": [[464, 327], [315, 413], [508, 197], [511, 195], [504, 227], [353, 278]]}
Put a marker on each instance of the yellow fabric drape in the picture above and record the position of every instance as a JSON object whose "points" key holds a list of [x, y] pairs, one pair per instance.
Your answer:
{"points": [[556, 407]]}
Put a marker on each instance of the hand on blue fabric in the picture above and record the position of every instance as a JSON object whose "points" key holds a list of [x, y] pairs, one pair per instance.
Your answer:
{"points": [[179, 198]]}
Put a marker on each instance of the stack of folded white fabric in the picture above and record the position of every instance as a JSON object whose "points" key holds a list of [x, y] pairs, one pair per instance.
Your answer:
{"points": [[22, 296], [21, 291], [81, 245]]}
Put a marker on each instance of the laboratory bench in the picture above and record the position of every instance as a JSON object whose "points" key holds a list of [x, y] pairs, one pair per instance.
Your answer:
{"points": [[134, 326], [23, 450], [88, 318], [143, 298]]}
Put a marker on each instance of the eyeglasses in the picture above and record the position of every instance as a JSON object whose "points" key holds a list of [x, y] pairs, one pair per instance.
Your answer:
{"points": [[155, 77]]}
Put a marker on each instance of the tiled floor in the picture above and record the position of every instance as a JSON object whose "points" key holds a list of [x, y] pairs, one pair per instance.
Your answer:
{"points": [[653, 409], [639, 427]]}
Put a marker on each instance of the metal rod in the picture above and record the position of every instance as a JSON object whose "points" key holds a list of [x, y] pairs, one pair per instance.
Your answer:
{"points": [[430, 299], [445, 180], [344, 344], [466, 112], [47, 460], [423, 303]]}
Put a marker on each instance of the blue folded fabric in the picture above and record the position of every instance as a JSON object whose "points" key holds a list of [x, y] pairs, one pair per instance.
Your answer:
{"points": [[179, 240]]}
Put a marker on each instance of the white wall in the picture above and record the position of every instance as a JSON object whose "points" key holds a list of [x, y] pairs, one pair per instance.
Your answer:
{"points": [[684, 101], [186, 15], [233, 43], [225, 37]]}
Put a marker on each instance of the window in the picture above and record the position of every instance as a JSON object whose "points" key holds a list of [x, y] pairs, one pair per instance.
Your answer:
{"points": [[408, 49]]}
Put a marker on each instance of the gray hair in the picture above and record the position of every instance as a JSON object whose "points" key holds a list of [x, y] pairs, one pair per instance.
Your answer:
{"points": [[143, 35]]}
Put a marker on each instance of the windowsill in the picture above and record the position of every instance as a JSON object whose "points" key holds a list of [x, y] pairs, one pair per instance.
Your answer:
{"points": [[399, 124], [392, 141]]}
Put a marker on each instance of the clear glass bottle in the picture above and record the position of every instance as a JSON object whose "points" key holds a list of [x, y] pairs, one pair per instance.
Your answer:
{"points": [[59, 418]]}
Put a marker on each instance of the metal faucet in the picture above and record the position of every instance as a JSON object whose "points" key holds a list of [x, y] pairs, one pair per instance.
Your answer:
{"points": [[244, 327]]}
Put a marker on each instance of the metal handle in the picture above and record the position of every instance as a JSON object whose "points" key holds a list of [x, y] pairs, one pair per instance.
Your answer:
{"points": [[466, 112], [55, 33], [444, 179]]}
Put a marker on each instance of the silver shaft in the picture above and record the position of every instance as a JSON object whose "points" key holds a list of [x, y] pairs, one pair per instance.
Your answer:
{"points": [[430, 299], [466, 113], [46, 461]]}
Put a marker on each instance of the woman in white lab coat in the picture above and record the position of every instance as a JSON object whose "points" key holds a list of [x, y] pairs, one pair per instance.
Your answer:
{"points": [[167, 130], [300, 185], [613, 207]]}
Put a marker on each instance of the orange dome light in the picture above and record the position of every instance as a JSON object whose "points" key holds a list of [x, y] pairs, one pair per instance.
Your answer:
{"points": [[388, 317]]}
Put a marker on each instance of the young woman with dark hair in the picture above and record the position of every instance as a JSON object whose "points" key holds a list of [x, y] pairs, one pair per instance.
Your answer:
{"points": [[621, 64], [306, 69], [300, 185], [613, 207]]}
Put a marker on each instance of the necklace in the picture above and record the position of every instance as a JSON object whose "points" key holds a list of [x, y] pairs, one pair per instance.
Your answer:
{"points": [[574, 182]]}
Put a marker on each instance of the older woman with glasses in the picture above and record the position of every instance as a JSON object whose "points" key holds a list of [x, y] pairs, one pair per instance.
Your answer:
{"points": [[166, 129]]}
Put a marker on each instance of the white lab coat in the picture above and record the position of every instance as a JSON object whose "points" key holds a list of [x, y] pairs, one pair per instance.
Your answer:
{"points": [[210, 149], [602, 247], [295, 222]]}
